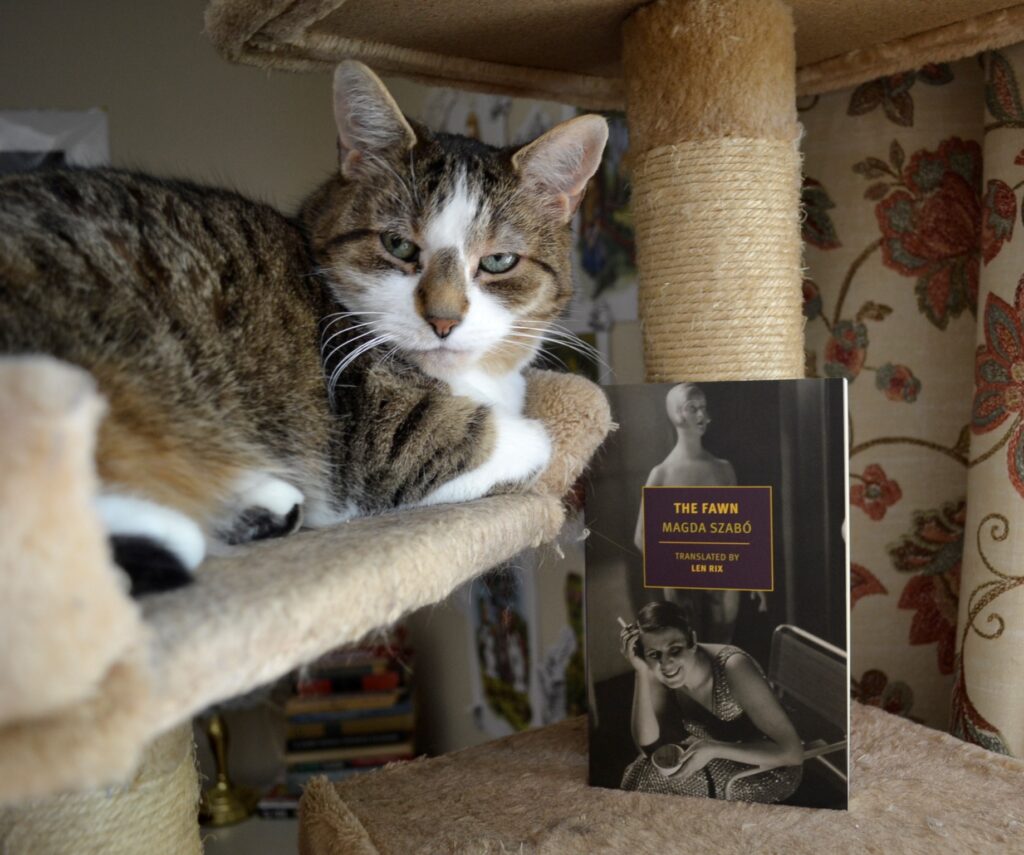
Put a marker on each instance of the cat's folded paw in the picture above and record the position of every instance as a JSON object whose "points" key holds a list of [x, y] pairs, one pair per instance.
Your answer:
{"points": [[527, 449], [151, 565], [522, 450], [261, 523], [158, 547], [267, 507]]}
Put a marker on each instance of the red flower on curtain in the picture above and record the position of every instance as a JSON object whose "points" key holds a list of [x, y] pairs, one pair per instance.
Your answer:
{"points": [[846, 350], [999, 379], [875, 493], [875, 688], [931, 227], [898, 382], [934, 552], [998, 219], [863, 583]]}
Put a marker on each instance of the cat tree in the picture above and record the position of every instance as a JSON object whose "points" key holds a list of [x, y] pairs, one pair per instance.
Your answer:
{"points": [[709, 89]]}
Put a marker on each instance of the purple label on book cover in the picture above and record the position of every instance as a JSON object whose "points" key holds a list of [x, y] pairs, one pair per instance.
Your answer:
{"points": [[711, 538]]}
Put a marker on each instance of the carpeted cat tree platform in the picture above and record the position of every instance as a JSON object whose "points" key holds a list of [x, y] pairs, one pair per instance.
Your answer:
{"points": [[89, 678], [528, 793]]}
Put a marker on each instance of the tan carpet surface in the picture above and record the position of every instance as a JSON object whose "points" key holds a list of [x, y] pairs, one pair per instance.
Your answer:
{"points": [[570, 50], [915, 791]]}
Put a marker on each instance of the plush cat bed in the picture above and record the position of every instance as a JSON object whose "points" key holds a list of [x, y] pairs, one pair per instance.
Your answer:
{"points": [[528, 793], [88, 676]]}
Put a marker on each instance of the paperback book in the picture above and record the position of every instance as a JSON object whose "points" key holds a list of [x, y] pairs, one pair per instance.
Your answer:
{"points": [[717, 588]]}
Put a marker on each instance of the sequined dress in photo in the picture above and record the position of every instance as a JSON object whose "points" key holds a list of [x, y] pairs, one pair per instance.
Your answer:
{"points": [[726, 723]]}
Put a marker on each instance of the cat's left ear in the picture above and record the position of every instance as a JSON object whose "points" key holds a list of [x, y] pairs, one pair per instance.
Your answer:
{"points": [[369, 121], [561, 162]]}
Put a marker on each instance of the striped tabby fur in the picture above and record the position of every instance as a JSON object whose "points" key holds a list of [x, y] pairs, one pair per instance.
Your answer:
{"points": [[254, 362]]}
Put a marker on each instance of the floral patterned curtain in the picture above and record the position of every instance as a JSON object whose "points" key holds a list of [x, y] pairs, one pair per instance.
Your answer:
{"points": [[915, 294]]}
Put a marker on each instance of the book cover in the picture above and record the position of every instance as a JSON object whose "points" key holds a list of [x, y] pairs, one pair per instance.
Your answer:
{"points": [[359, 763], [357, 752], [717, 590], [376, 681], [299, 728], [346, 740], [344, 702], [352, 716], [297, 779], [279, 802]]}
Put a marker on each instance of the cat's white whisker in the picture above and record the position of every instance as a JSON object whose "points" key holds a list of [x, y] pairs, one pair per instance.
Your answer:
{"points": [[352, 329], [559, 334], [343, 317], [326, 358], [352, 357], [529, 348], [348, 341], [336, 315], [348, 326], [575, 345]]}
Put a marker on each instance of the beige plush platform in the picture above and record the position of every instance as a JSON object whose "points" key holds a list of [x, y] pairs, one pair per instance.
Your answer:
{"points": [[915, 791], [571, 50], [88, 678]]}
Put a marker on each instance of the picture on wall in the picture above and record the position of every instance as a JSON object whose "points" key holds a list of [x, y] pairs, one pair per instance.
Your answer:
{"points": [[34, 139]]}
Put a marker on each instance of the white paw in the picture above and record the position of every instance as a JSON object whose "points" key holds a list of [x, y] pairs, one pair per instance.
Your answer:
{"points": [[259, 490], [264, 506], [524, 448], [133, 517]]}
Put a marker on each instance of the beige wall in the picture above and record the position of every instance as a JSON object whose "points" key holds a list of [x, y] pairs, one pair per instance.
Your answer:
{"points": [[174, 106]]}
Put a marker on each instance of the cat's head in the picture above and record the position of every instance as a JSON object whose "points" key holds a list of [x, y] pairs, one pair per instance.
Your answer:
{"points": [[454, 252]]}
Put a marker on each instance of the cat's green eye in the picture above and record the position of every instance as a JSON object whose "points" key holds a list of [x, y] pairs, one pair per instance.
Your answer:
{"points": [[500, 262], [401, 248]]}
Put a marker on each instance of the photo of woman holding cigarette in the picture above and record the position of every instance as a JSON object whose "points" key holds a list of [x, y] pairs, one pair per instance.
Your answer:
{"points": [[721, 685], [704, 717]]}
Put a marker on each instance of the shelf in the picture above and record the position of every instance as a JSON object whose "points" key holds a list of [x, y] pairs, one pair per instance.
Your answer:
{"points": [[570, 50]]}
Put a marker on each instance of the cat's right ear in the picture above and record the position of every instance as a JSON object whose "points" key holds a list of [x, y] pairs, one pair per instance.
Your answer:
{"points": [[369, 121]]}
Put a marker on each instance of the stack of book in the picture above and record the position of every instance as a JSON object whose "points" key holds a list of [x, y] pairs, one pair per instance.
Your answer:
{"points": [[351, 712]]}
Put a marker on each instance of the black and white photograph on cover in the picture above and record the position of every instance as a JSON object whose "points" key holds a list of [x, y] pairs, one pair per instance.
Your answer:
{"points": [[727, 694]]}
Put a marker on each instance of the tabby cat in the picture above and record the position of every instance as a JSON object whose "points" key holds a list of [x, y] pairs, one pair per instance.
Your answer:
{"points": [[263, 372]]}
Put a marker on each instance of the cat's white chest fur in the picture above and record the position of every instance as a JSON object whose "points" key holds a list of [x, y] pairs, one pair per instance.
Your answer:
{"points": [[522, 447], [505, 393]]}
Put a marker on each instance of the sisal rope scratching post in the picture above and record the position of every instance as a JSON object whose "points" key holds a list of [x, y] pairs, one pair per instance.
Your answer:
{"points": [[710, 99], [156, 813]]}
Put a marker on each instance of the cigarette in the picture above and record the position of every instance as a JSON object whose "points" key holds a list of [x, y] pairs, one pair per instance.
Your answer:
{"points": [[622, 623]]}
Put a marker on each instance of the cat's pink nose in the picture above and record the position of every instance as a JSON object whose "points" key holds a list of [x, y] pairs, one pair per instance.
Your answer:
{"points": [[443, 326]]}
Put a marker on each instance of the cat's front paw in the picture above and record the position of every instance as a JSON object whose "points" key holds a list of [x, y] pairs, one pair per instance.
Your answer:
{"points": [[524, 450], [158, 547], [266, 507]]}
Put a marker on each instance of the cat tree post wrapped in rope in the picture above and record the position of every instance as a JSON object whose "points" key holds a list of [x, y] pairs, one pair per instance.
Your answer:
{"points": [[716, 187], [155, 812]]}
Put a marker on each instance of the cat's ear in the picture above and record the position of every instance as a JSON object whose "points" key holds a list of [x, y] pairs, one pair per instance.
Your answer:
{"points": [[560, 163], [368, 119]]}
